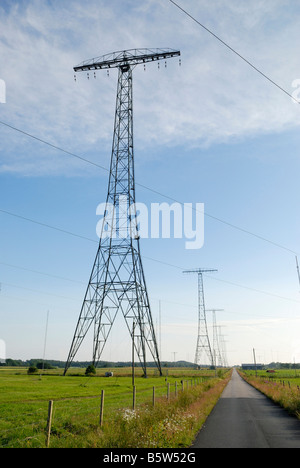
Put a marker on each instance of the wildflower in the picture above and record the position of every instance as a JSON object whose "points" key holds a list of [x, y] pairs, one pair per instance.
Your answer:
{"points": [[129, 415]]}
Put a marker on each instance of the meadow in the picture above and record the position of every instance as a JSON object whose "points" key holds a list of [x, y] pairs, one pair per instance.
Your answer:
{"points": [[183, 399]]}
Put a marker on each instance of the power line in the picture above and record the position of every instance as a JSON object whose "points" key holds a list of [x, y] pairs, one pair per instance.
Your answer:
{"points": [[52, 145], [168, 197], [144, 256], [235, 52], [24, 218], [37, 291], [40, 273], [83, 237], [233, 226], [255, 290]]}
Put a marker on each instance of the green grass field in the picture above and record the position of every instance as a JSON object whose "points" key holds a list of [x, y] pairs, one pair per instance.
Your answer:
{"points": [[24, 401]]}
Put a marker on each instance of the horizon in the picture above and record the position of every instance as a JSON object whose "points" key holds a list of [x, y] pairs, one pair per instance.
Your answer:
{"points": [[207, 130]]}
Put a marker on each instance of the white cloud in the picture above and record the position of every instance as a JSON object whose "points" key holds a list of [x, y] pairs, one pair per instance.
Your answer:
{"points": [[213, 97]]}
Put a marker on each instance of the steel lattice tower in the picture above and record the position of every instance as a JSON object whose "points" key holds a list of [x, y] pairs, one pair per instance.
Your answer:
{"points": [[117, 281], [203, 342], [216, 344]]}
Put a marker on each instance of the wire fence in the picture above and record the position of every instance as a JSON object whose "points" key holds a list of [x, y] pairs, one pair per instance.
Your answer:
{"points": [[283, 382], [32, 424]]}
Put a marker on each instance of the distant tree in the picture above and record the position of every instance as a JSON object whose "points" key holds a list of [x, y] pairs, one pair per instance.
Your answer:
{"points": [[32, 370], [44, 365], [90, 370], [14, 362]]}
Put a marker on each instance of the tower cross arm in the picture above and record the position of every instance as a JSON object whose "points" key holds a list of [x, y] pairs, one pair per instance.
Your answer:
{"points": [[200, 270], [126, 57]]}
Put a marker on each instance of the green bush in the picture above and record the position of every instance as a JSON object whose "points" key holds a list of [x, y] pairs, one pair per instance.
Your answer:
{"points": [[90, 370]]}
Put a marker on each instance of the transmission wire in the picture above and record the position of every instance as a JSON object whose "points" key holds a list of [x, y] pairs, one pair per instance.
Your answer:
{"points": [[235, 52], [233, 226]]}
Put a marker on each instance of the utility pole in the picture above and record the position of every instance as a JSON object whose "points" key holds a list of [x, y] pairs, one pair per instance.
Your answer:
{"points": [[160, 330], [254, 357], [45, 341], [133, 329], [117, 282], [203, 342]]}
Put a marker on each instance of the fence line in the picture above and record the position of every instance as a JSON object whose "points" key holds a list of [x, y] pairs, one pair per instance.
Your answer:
{"points": [[282, 382], [185, 385]]}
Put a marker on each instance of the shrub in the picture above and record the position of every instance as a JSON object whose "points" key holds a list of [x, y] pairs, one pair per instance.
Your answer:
{"points": [[90, 370]]}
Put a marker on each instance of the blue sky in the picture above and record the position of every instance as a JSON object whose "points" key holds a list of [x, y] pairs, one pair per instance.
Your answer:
{"points": [[212, 131]]}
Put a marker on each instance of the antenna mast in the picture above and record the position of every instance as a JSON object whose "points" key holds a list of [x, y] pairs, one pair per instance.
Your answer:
{"points": [[117, 281]]}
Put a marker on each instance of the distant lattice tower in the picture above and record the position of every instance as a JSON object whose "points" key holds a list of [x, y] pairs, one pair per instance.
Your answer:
{"points": [[117, 281], [218, 361], [203, 342]]}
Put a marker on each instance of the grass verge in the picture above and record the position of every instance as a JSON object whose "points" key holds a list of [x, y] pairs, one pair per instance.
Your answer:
{"points": [[285, 396]]}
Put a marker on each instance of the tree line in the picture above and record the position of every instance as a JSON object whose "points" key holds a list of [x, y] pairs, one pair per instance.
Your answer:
{"points": [[52, 364]]}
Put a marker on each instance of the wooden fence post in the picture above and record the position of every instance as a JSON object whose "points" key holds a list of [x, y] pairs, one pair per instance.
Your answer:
{"points": [[134, 397], [49, 422], [101, 408]]}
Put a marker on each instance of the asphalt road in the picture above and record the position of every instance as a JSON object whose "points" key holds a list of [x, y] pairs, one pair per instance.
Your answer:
{"points": [[245, 418]]}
